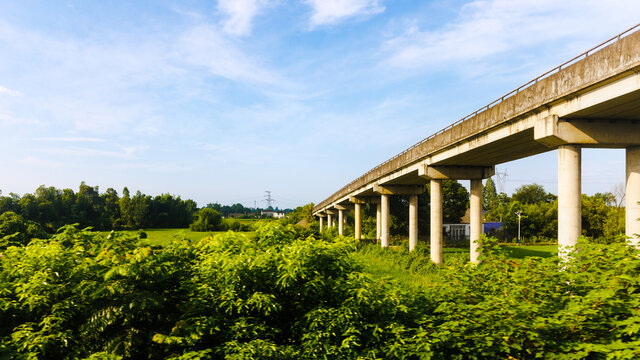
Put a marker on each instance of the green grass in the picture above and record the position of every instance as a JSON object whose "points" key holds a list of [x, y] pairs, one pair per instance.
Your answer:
{"points": [[520, 252], [164, 236], [416, 270]]}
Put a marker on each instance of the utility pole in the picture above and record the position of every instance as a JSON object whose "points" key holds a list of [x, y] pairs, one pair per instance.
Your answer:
{"points": [[519, 213]]}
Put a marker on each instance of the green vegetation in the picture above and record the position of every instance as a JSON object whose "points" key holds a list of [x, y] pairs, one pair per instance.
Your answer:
{"points": [[284, 293], [163, 237], [53, 208], [602, 215]]}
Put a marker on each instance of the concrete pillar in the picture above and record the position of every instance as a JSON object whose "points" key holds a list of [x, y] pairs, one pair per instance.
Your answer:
{"points": [[378, 222], [340, 222], [436, 221], [384, 220], [632, 209], [413, 221], [321, 222], [358, 222], [329, 220], [569, 199], [475, 226]]}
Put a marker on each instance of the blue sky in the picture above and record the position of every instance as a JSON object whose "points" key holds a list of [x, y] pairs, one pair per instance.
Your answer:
{"points": [[218, 101]]}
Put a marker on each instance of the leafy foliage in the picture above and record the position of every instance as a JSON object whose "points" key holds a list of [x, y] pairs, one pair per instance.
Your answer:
{"points": [[286, 294], [53, 208]]}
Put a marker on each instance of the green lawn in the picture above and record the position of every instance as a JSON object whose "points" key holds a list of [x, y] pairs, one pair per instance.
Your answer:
{"points": [[164, 236], [415, 269]]}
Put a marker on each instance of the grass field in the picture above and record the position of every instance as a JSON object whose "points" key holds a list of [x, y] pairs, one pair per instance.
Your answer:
{"points": [[415, 269], [164, 236]]}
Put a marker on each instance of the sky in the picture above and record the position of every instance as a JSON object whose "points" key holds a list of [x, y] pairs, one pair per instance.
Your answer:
{"points": [[220, 101]]}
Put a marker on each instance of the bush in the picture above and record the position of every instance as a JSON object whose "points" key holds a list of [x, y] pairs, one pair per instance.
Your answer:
{"points": [[287, 295], [208, 220], [15, 231]]}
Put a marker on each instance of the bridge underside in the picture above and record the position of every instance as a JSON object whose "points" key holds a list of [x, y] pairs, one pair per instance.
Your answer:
{"points": [[593, 103]]}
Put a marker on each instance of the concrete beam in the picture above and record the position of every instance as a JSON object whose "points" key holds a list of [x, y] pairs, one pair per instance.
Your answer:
{"points": [[344, 207], [454, 172], [399, 189], [553, 131], [365, 199]]}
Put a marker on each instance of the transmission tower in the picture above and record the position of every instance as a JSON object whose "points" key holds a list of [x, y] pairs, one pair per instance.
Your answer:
{"points": [[268, 199], [501, 177]]}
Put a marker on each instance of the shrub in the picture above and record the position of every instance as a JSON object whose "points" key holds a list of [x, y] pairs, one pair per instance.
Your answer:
{"points": [[208, 220]]}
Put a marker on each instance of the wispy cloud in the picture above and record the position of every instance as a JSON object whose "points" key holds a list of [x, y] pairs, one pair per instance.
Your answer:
{"points": [[122, 152], [5, 91], [71, 139], [240, 14], [327, 12], [207, 47], [485, 28]]}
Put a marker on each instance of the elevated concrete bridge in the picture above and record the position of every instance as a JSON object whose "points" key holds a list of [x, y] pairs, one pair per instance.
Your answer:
{"points": [[592, 101]]}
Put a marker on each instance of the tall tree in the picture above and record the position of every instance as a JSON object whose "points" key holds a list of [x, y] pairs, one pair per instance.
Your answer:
{"points": [[489, 195]]}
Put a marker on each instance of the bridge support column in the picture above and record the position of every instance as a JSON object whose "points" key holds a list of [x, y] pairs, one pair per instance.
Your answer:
{"points": [[329, 221], [413, 221], [475, 219], [340, 222], [569, 198], [632, 197], [358, 222], [384, 223], [436, 221], [378, 222], [321, 222]]}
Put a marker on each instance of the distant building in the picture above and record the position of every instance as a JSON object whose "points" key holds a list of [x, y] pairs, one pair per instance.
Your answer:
{"points": [[273, 214], [460, 232]]}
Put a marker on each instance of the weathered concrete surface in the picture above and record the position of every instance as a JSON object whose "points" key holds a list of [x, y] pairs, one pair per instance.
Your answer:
{"points": [[475, 221], [435, 190], [413, 222], [569, 197], [633, 195], [384, 220], [601, 88], [358, 222]]}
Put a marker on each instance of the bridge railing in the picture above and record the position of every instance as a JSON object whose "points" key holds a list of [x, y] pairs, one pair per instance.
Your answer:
{"points": [[497, 101]]}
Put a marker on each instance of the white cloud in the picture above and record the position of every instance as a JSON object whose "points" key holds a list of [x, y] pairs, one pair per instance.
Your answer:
{"points": [[70, 139], [5, 91], [205, 46], [327, 12], [487, 28], [240, 15], [121, 152]]}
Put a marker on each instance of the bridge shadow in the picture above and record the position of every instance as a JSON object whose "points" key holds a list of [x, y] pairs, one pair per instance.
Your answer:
{"points": [[518, 252]]}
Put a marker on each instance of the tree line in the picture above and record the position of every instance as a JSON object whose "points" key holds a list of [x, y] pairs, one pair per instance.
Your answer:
{"points": [[53, 208], [602, 214]]}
